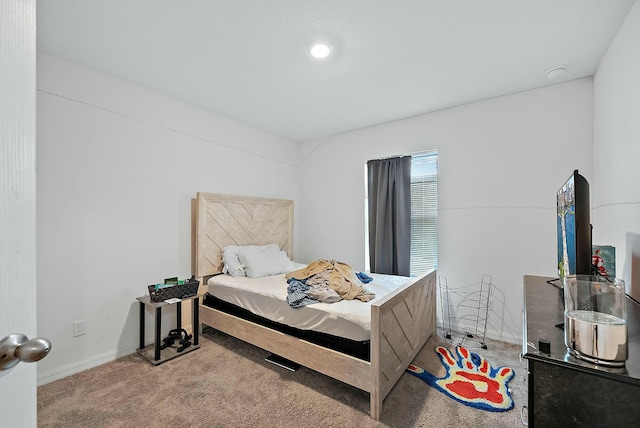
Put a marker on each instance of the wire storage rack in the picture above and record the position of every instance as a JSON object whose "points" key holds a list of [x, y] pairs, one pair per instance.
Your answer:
{"points": [[465, 311]]}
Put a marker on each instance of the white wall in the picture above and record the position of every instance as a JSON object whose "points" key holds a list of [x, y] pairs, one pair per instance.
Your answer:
{"points": [[616, 195], [117, 167], [500, 161]]}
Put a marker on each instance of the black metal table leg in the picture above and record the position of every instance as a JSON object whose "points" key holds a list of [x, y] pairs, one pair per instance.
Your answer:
{"points": [[158, 328], [141, 325], [179, 315], [196, 322]]}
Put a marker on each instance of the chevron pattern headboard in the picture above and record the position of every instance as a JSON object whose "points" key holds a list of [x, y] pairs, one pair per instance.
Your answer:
{"points": [[223, 220]]}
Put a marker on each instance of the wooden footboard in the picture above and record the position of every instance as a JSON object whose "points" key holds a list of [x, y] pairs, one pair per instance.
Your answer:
{"points": [[401, 323]]}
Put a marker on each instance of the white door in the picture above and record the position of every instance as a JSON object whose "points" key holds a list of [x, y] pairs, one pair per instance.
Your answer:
{"points": [[18, 406]]}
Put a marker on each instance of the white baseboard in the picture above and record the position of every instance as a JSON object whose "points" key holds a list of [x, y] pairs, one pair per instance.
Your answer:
{"points": [[96, 361]]}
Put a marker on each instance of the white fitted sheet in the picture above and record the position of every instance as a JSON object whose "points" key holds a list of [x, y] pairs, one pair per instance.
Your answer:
{"points": [[267, 296]]}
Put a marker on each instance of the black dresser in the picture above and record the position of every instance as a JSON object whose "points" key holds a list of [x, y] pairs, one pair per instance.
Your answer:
{"points": [[564, 391]]}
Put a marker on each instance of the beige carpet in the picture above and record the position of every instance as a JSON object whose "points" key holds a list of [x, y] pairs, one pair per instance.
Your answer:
{"points": [[227, 383]]}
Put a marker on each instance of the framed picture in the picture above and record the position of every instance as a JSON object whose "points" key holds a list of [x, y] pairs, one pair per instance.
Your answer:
{"points": [[603, 260]]}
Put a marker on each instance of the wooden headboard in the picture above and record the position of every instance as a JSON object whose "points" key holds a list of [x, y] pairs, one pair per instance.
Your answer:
{"points": [[223, 220]]}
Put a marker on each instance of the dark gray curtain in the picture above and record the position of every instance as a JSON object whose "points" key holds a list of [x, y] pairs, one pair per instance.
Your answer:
{"points": [[389, 183]]}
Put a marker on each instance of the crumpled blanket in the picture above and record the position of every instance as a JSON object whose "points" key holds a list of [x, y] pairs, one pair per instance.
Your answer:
{"points": [[341, 278], [297, 294], [300, 293], [319, 288]]}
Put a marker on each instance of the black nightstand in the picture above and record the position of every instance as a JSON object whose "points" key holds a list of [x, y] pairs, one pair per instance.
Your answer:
{"points": [[154, 352]]}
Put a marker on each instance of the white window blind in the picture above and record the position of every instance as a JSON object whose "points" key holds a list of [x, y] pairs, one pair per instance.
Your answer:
{"points": [[424, 213]]}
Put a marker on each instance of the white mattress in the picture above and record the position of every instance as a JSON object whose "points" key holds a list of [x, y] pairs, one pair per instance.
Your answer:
{"points": [[267, 296]]}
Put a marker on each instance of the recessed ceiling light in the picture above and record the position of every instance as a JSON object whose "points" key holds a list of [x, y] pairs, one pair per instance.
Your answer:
{"points": [[320, 50], [555, 72]]}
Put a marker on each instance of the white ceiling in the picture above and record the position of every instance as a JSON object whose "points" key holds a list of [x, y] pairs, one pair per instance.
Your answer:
{"points": [[392, 59]]}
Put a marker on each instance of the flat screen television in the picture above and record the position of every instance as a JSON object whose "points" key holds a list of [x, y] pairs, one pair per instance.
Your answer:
{"points": [[574, 227]]}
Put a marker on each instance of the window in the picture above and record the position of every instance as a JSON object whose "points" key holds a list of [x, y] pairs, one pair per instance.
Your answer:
{"points": [[424, 212]]}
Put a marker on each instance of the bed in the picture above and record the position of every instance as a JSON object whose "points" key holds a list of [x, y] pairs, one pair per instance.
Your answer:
{"points": [[400, 322]]}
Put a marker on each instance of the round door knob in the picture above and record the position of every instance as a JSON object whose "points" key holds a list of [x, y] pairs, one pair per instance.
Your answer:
{"points": [[17, 347], [33, 350]]}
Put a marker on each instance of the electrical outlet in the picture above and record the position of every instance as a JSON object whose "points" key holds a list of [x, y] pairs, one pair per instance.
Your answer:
{"points": [[79, 328]]}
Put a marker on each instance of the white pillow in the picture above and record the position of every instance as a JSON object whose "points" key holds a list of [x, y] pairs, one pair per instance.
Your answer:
{"points": [[232, 264], [264, 261]]}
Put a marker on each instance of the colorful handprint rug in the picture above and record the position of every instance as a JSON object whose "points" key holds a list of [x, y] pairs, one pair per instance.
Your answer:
{"points": [[470, 380]]}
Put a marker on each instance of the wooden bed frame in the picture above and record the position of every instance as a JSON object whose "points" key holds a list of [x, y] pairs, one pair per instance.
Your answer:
{"points": [[401, 322]]}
